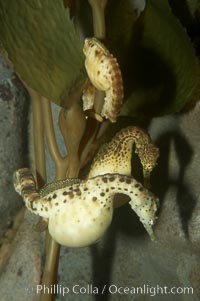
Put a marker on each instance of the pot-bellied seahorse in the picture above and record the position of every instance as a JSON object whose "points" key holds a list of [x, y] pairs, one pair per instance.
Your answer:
{"points": [[80, 211], [105, 75]]}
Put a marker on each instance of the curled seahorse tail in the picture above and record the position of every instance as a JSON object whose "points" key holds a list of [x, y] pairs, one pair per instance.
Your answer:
{"points": [[25, 185], [18, 179]]}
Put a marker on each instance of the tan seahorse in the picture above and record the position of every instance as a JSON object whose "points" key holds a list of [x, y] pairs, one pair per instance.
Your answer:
{"points": [[115, 156], [80, 211], [105, 75]]}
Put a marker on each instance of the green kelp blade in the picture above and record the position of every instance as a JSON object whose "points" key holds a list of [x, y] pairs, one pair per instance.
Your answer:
{"points": [[120, 19], [42, 44], [160, 67]]}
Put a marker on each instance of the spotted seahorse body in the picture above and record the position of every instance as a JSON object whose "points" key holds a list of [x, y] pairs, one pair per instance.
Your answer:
{"points": [[80, 211], [105, 75], [116, 156]]}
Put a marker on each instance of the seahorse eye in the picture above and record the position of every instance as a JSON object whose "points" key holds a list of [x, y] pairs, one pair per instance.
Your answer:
{"points": [[149, 166]]}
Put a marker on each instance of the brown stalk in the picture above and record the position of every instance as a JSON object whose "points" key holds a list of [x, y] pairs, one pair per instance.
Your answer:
{"points": [[52, 248], [69, 128], [72, 124], [99, 27], [38, 135], [60, 162], [98, 13], [42, 121]]}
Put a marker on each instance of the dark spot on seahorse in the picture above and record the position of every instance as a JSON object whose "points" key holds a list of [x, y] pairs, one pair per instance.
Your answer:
{"points": [[112, 179], [31, 205], [137, 185], [94, 198], [54, 196], [65, 201], [65, 193], [128, 180], [104, 179], [102, 194], [28, 189], [122, 179], [56, 204], [71, 195], [96, 52]]}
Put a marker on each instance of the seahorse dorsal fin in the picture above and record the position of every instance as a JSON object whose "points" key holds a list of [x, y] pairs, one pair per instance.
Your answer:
{"points": [[50, 187]]}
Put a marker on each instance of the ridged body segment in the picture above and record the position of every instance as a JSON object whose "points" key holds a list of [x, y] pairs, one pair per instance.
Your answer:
{"points": [[105, 75], [80, 213], [115, 157]]}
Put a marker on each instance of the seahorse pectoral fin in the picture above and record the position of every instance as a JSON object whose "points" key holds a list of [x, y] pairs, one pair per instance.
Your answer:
{"points": [[88, 96]]}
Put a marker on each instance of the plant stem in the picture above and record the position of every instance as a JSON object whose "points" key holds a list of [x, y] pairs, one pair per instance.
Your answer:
{"points": [[60, 162], [99, 27], [42, 120], [51, 266], [92, 127], [71, 128], [38, 134], [98, 9], [52, 248], [72, 124], [98, 13], [43, 123]]}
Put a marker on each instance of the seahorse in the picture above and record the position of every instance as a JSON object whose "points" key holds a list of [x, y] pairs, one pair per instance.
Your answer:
{"points": [[80, 211], [115, 156], [105, 75]]}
